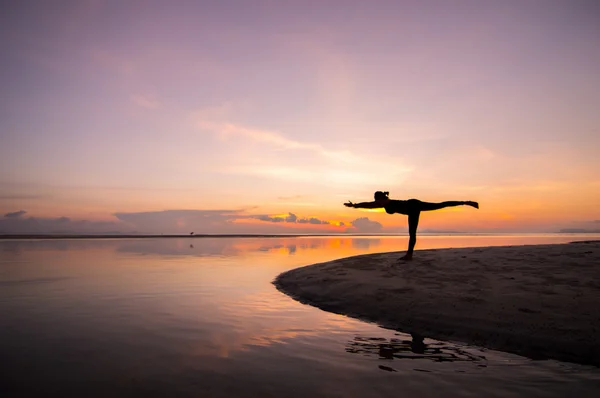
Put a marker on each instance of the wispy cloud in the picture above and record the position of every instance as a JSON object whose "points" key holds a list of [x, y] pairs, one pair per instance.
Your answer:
{"points": [[145, 101], [22, 197], [294, 160], [229, 130]]}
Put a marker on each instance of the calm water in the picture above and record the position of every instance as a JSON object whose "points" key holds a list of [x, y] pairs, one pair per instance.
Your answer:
{"points": [[200, 317]]}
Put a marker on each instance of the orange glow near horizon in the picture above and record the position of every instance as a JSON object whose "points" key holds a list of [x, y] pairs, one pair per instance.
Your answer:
{"points": [[495, 214]]}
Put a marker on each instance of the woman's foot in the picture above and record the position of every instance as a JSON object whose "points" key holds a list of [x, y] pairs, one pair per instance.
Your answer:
{"points": [[472, 204], [407, 257]]}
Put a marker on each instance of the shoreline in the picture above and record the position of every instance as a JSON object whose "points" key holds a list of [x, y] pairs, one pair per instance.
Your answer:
{"points": [[538, 301], [151, 236]]}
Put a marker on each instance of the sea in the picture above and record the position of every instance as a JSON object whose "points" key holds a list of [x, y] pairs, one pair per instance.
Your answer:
{"points": [[200, 317]]}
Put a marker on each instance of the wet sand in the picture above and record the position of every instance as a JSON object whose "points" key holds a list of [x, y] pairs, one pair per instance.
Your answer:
{"points": [[539, 301]]}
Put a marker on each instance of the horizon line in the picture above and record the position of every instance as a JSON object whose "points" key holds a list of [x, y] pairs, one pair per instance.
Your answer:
{"points": [[147, 236]]}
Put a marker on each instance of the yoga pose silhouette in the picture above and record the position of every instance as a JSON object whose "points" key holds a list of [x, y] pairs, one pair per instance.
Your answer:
{"points": [[411, 208]]}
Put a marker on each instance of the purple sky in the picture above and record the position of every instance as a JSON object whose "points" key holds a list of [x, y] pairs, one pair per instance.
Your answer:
{"points": [[251, 109]]}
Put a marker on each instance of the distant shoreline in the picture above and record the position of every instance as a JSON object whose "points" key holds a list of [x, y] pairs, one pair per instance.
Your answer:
{"points": [[179, 236], [25, 237]]}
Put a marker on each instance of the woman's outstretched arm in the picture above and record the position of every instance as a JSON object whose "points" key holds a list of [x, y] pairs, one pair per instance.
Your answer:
{"points": [[365, 205]]}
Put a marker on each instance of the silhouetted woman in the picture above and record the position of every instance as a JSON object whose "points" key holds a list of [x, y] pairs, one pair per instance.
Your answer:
{"points": [[412, 208]]}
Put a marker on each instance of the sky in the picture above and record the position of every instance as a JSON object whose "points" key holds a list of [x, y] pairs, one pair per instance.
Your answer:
{"points": [[266, 116]]}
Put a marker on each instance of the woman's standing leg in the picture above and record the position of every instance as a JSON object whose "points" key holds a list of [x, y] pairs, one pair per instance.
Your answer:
{"points": [[413, 223]]}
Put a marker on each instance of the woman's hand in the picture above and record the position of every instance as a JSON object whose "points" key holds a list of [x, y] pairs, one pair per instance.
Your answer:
{"points": [[349, 204]]}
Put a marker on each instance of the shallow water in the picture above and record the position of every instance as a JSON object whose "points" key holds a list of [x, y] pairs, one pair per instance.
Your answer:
{"points": [[200, 317]]}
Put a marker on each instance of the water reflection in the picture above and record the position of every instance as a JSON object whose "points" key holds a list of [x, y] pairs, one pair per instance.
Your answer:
{"points": [[219, 247], [413, 348], [366, 243], [193, 316], [338, 245]]}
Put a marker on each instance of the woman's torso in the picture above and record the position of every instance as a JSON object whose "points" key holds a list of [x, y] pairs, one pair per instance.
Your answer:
{"points": [[396, 206], [405, 207]]}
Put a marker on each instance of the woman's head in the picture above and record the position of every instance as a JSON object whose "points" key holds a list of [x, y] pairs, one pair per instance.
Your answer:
{"points": [[381, 195]]}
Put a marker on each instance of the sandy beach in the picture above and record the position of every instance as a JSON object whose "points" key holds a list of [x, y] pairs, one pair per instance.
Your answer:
{"points": [[539, 301]]}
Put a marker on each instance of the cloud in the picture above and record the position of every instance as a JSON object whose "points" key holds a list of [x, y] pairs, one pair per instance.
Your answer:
{"points": [[152, 222], [270, 219], [15, 214], [166, 222], [363, 224], [21, 197], [181, 221], [292, 218], [60, 225], [145, 101], [220, 222], [295, 160], [226, 130], [312, 220]]}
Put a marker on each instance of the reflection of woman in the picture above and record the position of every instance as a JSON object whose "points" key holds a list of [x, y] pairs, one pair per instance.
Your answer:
{"points": [[412, 208]]}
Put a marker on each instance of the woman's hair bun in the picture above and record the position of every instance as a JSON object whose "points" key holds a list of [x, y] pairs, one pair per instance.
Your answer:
{"points": [[379, 195]]}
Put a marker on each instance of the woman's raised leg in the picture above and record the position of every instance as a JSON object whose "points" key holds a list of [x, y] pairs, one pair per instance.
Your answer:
{"points": [[428, 206]]}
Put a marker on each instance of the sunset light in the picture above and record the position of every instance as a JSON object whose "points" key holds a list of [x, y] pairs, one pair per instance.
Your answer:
{"points": [[157, 118], [299, 198]]}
